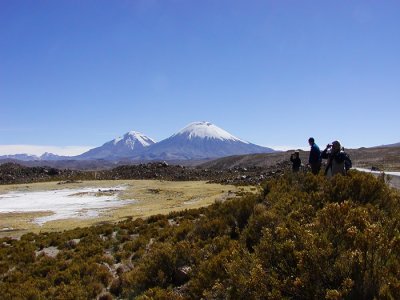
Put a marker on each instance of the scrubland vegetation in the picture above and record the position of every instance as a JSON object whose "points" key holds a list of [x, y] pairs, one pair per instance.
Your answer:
{"points": [[302, 237]]}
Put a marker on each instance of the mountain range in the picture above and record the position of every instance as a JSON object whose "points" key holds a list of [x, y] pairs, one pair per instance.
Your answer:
{"points": [[30, 157], [196, 141]]}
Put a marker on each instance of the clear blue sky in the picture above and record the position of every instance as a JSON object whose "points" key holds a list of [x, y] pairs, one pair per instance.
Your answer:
{"points": [[80, 73]]}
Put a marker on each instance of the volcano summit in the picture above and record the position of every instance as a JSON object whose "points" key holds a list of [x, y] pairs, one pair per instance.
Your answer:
{"points": [[200, 140]]}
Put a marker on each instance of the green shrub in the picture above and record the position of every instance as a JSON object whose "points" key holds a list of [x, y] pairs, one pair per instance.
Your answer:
{"points": [[302, 237]]}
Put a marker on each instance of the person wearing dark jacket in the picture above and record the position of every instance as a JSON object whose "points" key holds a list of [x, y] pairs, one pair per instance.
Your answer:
{"points": [[336, 159], [314, 159], [296, 161]]}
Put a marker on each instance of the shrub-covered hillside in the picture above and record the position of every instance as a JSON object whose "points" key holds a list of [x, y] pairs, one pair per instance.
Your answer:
{"points": [[302, 237]]}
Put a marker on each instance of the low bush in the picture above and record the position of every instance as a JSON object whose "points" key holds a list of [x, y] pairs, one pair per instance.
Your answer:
{"points": [[302, 237]]}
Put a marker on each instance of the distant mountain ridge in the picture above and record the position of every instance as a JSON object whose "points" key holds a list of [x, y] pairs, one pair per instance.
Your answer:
{"points": [[22, 157], [196, 141], [30, 157], [390, 145]]}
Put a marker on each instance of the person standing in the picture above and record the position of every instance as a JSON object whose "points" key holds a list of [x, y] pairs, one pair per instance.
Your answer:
{"points": [[296, 161], [336, 159], [314, 159]]}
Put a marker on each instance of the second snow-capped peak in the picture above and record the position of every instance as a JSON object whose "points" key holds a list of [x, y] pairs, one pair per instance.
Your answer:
{"points": [[132, 137]]}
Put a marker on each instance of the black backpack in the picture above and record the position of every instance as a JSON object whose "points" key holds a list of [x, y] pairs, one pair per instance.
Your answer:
{"points": [[347, 161]]}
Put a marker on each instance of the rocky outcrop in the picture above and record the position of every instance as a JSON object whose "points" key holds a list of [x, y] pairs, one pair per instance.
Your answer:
{"points": [[13, 173]]}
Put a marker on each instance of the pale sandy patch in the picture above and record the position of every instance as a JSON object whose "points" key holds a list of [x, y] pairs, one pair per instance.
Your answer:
{"points": [[140, 198]]}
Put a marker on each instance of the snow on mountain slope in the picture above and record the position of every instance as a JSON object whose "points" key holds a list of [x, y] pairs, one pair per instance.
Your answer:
{"points": [[132, 143], [207, 130], [200, 140], [132, 139], [51, 156]]}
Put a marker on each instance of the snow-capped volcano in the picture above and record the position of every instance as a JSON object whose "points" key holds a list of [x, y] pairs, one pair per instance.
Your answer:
{"points": [[130, 144], [200, 140], [207, 130]]}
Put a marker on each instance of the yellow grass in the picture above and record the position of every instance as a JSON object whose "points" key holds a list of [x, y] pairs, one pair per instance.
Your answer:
{"points": [[153, 197]]}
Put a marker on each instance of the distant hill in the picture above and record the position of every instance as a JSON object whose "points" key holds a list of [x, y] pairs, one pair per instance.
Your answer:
{"points": [[21, 157], [263, 160], [387, 158], [389, 145]]}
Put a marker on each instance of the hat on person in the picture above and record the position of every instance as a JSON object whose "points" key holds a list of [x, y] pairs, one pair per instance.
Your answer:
{"points": [[336, 144]]}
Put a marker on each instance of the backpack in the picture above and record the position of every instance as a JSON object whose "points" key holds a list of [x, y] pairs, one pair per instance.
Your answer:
{"points": [[347, 161]]}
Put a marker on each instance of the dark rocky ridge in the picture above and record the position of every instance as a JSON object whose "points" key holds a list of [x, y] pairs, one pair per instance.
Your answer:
{"points": [[12, 173]]}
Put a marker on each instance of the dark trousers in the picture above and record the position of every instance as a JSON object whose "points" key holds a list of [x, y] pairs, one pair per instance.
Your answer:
{"points": [[315, 167]]}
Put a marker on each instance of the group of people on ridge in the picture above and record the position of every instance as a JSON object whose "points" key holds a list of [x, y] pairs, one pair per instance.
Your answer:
{"points": [[338, 162]]}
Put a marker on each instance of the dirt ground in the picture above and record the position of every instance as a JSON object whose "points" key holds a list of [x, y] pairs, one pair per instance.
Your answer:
{"points": [[153, 197], [393, 181]]}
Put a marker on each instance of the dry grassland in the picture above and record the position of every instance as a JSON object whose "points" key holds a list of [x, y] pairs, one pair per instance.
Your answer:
{"points": [[153, 197]]}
